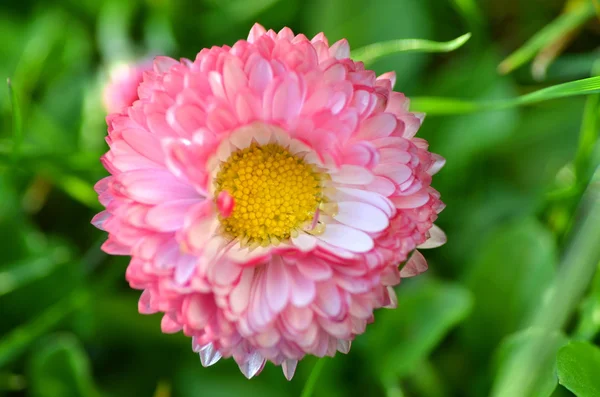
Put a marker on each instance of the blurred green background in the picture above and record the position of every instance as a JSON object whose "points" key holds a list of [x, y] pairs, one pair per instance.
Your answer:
{"points": [[512, 184]]}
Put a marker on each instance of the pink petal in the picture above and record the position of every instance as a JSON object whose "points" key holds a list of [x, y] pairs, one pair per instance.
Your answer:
{"points": [[225, 272], [367, 196], [361, 216], [240, 296], [256, 31], [397, 172], [198, 310], [437, 238], [378, 126], [329, 299], [144, 306], [169, 216], [145, 144], [315, 269], [437, 165], [100, 218], [153, 186], [303, 290], [382, 185], [414, 201], [346, 237], [260, 76], [352, 175], [287, 100], [168, 326], [234, 78], [417, 264], [298, 318], [304, 242], [113, 247], [162, 64], [184, 268], [394, 155], [391, 76], [278, 284], [340, 49]]}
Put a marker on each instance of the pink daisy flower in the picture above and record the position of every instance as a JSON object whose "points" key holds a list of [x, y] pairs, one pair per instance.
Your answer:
{"points": [[267, 194], [121, 90]]}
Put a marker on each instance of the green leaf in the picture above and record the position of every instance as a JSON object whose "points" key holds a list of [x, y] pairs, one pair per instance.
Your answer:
{"points": [[508, 353], [61, 368], [16, 275], [516, 264], [404, 337], [553, 31], [17, 341], [578, 368], [373, 52], [437, 106]]}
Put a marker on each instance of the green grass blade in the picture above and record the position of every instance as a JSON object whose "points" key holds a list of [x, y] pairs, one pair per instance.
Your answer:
{"points": [[310, 384], [551, 32], [572, 88], [444, 106], [588, 136], [373, 52], [16, 275], [17, 121], [560, 300]]}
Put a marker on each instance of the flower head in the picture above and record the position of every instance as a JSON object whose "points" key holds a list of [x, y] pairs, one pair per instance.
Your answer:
{"points": [[121, 90], [267, 194]]}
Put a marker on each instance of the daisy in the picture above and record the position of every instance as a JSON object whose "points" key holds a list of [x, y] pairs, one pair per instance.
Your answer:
{"points": [[267, 194]]}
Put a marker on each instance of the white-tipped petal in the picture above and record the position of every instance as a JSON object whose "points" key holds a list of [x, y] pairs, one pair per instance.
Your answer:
{"points": [[253, 366], [352, 175], [393, 298], [345, 237], [343, 346], [209, 355], [437, 238], [289, 368], [362, 216], [437, 165], [415, 265]]}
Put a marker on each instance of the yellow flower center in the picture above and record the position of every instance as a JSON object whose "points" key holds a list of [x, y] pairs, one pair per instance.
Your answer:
{"points": [[274, 191]]}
